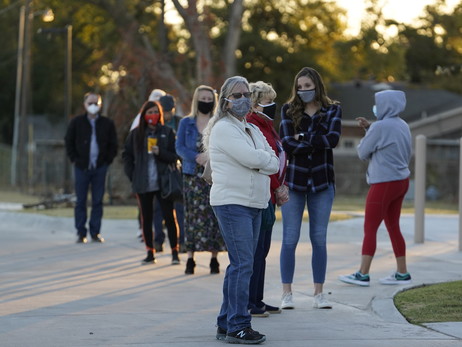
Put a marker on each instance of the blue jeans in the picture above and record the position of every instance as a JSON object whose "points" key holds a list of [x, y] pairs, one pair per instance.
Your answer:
{"points": [[257, 281], [96, 178], [240, 227], [319, 208], [159, 235]]}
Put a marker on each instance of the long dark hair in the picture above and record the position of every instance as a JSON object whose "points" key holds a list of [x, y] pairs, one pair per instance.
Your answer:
{"points": [[296, 105], [142, 127]]}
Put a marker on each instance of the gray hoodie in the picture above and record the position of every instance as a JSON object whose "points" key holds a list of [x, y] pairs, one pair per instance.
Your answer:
{"points": [[387, 144]]}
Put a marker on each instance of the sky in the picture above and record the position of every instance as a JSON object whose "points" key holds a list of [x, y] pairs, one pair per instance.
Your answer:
{"points": [[405, 11]]}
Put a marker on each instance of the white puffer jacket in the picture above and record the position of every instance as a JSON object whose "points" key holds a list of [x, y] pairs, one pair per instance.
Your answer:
{"points": [[240, 164]]}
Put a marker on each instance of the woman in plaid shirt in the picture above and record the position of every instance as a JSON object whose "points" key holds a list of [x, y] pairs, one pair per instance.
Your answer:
{"points": [[310, 129]]}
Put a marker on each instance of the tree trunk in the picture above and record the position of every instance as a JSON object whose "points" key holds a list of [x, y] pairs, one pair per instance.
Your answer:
{"points": [[200, 40], [232, 37]]}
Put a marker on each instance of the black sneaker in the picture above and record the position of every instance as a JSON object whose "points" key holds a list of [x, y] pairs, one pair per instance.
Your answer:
{"points": [[149, 259], [246, 336], [175, 258], [82, 239], [221, 334], [258, 312], [271, 309], [97, 238]]}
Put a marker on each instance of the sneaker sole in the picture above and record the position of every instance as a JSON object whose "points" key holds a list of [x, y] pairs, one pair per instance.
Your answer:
{"points": [[220, 337], [358, 283], [148, 262], [235, 340], [260, 315], [323, 307], [274, 312], [287, 307]]}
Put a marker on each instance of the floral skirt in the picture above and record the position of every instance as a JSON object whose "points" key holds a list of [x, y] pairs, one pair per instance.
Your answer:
{"points": [[200, 224]]}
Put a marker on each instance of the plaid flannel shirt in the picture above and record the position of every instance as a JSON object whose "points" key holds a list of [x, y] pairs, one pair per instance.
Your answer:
{"points": [[311, 162]]}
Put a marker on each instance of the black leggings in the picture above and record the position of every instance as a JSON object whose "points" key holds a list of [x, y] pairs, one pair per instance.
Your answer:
{"points": [[145, 202]]}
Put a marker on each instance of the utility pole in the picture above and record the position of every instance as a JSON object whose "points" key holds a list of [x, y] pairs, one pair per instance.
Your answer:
{"points": [[25, 95], [68, 100]]}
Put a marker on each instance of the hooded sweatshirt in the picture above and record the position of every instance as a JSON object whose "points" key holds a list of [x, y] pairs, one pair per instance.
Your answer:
{"points": [[387, 144]]}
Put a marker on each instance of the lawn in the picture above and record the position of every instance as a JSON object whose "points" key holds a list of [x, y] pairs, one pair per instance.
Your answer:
{"points": [[434, 303], [342, 209]]}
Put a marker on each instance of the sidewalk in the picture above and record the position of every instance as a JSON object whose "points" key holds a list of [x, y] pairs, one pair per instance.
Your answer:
{"points": [[54, 292]]}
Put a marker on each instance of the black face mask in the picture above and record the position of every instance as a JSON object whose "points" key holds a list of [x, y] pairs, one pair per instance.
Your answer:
{"points": [[269, 110], [205, 107]]}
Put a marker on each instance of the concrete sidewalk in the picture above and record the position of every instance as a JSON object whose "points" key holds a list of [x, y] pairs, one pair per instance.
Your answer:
{"points": [[54, 292]]}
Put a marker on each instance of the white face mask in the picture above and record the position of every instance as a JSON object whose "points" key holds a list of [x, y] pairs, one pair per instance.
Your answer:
{"points": [[93, 109]]}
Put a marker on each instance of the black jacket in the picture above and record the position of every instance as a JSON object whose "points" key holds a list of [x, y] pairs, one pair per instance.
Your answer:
{"points": [[135, 161], [78, 139]]}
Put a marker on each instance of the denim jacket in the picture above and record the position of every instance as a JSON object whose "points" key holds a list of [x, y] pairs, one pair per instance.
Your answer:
{"points": [[186, 144]]}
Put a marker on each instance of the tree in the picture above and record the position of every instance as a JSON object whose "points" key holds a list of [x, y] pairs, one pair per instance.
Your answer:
{"points": [[278, 39]]}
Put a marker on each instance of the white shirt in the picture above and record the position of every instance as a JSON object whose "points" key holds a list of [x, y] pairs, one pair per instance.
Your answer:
{"points": [[240, 164]]}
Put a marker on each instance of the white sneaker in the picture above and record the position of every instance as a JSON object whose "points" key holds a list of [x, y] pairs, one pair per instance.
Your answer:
{"points": [[357, 278], [287, 302], [320, 301], [397, 278]]}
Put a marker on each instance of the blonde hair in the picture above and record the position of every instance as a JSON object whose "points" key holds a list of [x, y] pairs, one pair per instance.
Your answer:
{"points": [[221, 111], [261, 90], [195, 101]]}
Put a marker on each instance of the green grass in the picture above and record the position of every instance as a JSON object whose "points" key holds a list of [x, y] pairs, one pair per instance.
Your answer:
{"points": [[343, 206], [431, 303]]}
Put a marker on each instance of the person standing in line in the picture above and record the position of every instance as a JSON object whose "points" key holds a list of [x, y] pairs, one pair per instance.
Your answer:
{"points": [[241, 161], [149, 150], [262, 115], [310, 129], [172, 120], [201, 226], [155, 95], [91, 145], [387, 147]]}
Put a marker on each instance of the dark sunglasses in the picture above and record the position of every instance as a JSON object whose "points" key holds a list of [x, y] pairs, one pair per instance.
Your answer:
{"points": [[93, 103], [239, 95]]}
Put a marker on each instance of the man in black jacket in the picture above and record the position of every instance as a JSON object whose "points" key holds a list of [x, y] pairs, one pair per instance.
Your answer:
{"points": [[91, 145]]}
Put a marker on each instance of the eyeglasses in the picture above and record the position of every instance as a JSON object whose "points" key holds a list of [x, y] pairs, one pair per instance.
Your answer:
{"points": [[239, 95], [93, 103]]}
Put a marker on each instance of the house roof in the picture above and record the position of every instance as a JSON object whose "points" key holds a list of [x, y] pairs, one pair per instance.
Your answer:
{"points": [[357, 99]]}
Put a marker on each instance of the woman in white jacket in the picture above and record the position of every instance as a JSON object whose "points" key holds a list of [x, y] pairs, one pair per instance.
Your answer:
{"points": [[241, 160]]}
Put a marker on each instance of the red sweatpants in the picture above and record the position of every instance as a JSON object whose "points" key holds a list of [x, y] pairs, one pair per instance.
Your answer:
{"points": [[383, 203]]}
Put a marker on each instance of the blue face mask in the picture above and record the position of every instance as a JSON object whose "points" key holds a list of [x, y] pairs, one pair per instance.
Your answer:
{"points": [[307, 95], [240, 106], [374, 110]]}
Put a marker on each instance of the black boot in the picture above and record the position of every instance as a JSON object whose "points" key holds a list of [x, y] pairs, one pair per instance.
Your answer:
{"points": [[214, 266], [149, 259], [190, 265]]}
